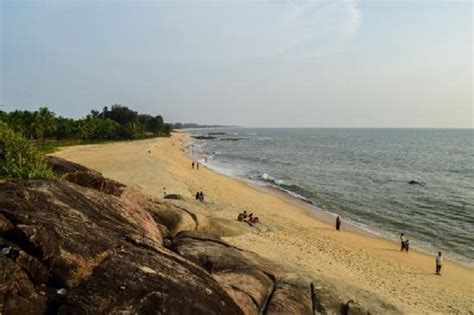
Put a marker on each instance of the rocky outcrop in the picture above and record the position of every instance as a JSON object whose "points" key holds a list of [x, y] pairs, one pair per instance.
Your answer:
{"points": [[261, 286], [78, 246], [105, 252], [62, 166], [78, 174]]}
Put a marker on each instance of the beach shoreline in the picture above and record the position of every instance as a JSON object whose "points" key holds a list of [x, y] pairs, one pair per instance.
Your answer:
{"points": [[290, 232], [314, 211]]}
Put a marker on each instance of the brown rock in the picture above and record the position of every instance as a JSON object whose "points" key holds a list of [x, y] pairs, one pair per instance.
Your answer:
{"points": [[94, 180], [261, 286], [174, 197], [106, 252], [81, 175], [142, 281], [17, 292], [62, 166]]}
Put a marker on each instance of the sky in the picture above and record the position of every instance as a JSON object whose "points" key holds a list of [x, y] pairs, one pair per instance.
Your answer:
{"points": [[250, 63]]}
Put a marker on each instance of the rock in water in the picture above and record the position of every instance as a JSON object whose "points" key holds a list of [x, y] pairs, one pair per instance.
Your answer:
{"points": [[414, 182]]}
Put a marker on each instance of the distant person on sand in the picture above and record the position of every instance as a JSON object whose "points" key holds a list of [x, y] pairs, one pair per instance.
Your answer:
{"points": [[407, 245], [439, 263], [192, 165], [197, 165], [198, 195], [402, 241], [201, 196], [338, 223]]}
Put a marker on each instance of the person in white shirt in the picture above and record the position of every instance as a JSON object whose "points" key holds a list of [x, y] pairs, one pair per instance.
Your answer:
{"points": [[402, 241], [439, 263]]}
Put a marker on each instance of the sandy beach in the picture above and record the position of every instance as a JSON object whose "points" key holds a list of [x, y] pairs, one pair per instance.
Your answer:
{"points": [[289, 233]]}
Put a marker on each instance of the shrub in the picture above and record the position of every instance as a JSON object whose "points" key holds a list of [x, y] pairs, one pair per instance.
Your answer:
{"points": [[19, 158]]}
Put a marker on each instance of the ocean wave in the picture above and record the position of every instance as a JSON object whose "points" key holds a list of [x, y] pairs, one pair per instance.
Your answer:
{"points": [[292, 189], [271, 179]]}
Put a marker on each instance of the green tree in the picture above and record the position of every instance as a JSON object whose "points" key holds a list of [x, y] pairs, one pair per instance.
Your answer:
{"points": [[122, 114], [22, 121], [66, 128], [44, 123]]}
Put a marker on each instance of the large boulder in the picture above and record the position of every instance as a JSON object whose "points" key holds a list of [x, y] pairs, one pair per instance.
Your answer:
{"points": [[85, 252], [175, 219], [81, 175], [62, 166], [142, 281], [261, 286]]}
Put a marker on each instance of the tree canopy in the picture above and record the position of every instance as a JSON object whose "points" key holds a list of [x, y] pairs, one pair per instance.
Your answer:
{"points": [[117, 123]]}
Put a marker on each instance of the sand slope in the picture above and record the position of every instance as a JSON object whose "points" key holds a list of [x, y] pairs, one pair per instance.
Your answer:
{"points": [[289, 234]]}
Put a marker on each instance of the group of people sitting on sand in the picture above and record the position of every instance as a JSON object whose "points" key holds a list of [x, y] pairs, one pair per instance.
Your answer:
{"points": [[200, 196], [247, 218]]}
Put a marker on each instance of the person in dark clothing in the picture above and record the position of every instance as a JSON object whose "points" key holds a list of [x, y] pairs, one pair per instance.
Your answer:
{"points": [[338, 223], [198, 195], [192, 165], [201, 196], [439, 263], [407, 245]]}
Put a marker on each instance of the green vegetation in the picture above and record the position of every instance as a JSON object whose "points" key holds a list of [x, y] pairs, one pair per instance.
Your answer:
{"points": [[117, 123], [25, 136], [19, 158]]}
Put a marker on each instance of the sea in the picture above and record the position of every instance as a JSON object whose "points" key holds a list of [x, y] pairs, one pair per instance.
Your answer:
{"points": [[383, 181]]}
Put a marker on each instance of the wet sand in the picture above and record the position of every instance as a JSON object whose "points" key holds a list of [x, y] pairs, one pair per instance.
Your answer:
{"points": [[290, 233]]}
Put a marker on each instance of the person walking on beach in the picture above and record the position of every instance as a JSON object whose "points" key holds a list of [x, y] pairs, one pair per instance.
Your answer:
{"points": [[439, 263], [338, 223], [192, 165], [197, 165], [402, 241]]}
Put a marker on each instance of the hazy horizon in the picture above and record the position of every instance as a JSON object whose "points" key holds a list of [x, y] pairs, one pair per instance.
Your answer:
{"points": [[316, 64]]}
